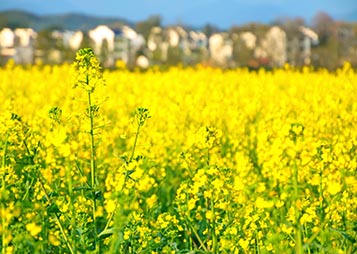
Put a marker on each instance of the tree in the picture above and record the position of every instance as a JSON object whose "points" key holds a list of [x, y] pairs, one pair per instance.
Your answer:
{"points": [[209, 29], [327, 54], [242, 55], [324, 25], [45, 44], [104, 54], [86, 41], [295, 39], [144, 27]]}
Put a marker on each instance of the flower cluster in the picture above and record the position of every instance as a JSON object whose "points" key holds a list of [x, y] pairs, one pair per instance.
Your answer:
{"points": [[188, 160]]}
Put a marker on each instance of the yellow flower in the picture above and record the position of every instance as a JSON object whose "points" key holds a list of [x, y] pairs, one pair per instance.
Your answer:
{"points": [[163, 221], [218, 183], [191, 204], [262, 203], [127, 234], [233, 230], [9, 249], [269, 247], [244, 243], [333, 187], [54, 240], [33, 229], [305, 218], [110, 206], [99, 211], [151, 201], [279, 204], [209, 215]]}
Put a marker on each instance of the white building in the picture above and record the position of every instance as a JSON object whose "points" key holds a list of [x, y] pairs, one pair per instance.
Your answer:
{"points": [[129, 46], [100, 35], [17, 44], [274, 44], [7, 43], [220, 48]]}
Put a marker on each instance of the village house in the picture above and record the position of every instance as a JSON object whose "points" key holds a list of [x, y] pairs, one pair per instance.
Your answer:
{"points": [[170, 45], [7, 44], [299, 46], [129, 47], [220, 47], [103, 43], [17, 44], [249, 39], [122, 43], [273, 47], [24, 45]]}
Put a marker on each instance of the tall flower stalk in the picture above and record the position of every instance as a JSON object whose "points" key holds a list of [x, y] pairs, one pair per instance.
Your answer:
{"points": [[89, 76], [3, 194]]}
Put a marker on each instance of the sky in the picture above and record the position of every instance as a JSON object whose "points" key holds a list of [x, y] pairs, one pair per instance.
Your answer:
{"points": [[222, 13]]}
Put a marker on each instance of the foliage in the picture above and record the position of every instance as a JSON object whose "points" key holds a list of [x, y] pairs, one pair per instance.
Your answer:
{"points": [[71, 21]]}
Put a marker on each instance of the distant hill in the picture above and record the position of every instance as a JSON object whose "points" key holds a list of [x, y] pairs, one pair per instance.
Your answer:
{"points": [[72, 21]]}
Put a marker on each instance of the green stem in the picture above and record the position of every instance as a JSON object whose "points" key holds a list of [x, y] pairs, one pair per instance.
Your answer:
{"points": [[135, 142], [92, 167], [57, 219], [3, 191], [116, 204], [321, 192], [126, 177], [70, 192], [313, 237], [28, 190], [214, 237], [208, 156], [189, 225], [298, 234], [198, 238], [92, 144]]}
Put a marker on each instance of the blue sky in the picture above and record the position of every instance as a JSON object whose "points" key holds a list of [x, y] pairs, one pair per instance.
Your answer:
{"points": [[223, 13]]}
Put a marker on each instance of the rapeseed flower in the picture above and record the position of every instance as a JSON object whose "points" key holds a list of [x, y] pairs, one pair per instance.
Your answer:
{"points": [[33, 228], [221, 166]]}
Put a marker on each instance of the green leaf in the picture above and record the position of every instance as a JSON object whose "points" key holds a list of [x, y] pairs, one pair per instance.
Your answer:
{"points": [[53, 208], [107, 232], [79, 188]]}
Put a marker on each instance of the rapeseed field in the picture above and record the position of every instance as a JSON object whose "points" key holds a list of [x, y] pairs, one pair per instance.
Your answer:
{"points": [[188, 160]]}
